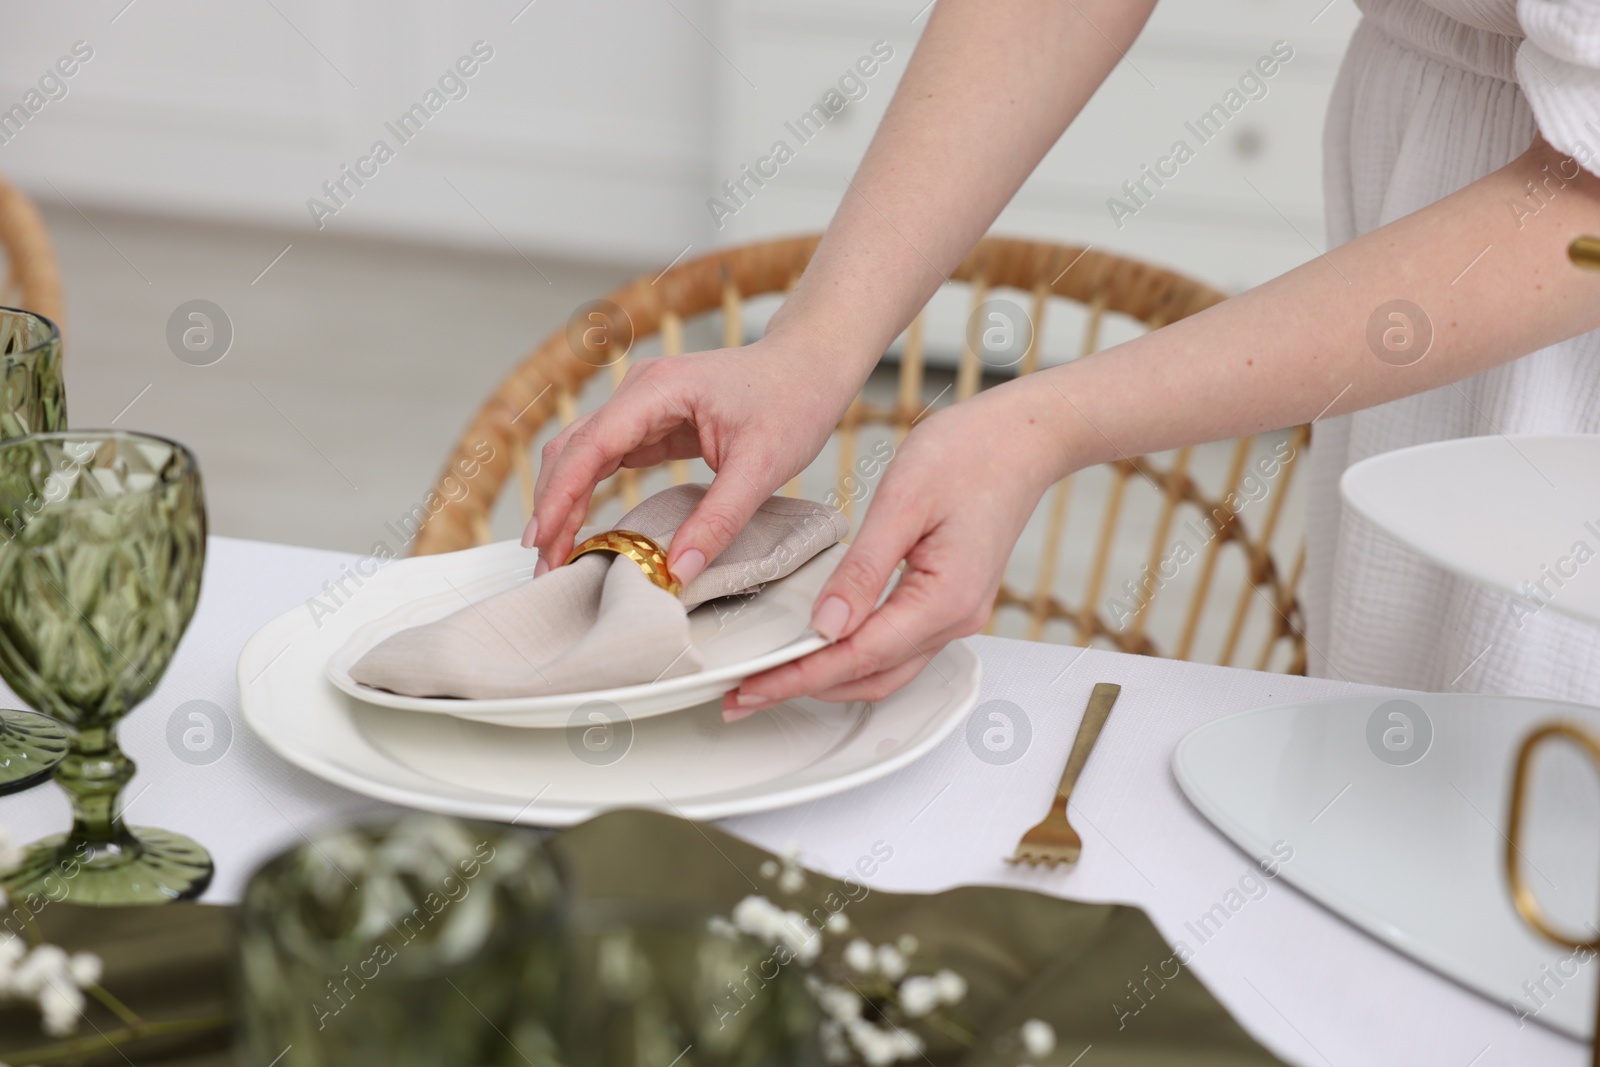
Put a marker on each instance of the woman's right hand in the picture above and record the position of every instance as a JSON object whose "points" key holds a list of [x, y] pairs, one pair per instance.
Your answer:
{"points": [[757, 415]]}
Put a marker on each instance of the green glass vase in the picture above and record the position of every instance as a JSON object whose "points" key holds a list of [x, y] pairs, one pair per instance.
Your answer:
{"points": [[102, 542], [33, 400], [421, 941]]}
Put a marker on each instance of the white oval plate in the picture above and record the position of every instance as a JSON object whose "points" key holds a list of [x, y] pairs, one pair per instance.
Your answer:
{"points": [[1413, 852], [692, 763], [1496, 510], [736, 636]]}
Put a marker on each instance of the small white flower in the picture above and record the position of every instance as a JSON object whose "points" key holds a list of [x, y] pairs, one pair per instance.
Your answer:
{"points": [[891, 962], [859, 957], [908, 944], [839, 1003], [837, 923], [769, 869], [792, 880], [1038, 1037], [61, 1003], [908, 1045], [791, 852], [875, 1046], [33, 974], [835, 1049], [85, 968], [952, 987], [919, 995], [721, 927]]}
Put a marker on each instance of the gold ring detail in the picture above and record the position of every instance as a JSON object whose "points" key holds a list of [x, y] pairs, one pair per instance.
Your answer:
{"points": [[651, 557]]}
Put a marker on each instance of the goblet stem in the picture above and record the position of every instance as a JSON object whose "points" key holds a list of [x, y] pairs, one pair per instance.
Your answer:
{"points": [[93, 773], [101, 860]]}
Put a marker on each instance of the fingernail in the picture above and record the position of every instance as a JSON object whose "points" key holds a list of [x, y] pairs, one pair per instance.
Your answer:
{"points": [[540, 567], [530, 534], [689, 566], [735, 714], [831, 617]]}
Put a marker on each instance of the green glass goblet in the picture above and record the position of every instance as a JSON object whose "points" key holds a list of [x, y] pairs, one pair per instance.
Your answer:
{"points": [[33, 399], [102, 541]]}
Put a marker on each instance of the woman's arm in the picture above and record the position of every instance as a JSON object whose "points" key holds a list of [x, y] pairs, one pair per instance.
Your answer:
{"points": [[1490, 275], [988, 91], [1487, 266], [990, 88]]}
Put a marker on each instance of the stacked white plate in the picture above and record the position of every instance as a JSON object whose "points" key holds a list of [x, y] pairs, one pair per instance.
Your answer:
{"points": [[557, 760]]}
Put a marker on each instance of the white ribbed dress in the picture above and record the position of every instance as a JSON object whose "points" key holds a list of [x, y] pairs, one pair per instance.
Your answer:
{"points": [[1431, 97]]}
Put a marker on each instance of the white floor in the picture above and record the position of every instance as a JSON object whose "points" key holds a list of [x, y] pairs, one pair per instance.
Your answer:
{"points": [[356, 363]]}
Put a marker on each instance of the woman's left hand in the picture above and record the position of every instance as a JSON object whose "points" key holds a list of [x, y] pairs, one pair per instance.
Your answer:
{"points": [[952, 503]]}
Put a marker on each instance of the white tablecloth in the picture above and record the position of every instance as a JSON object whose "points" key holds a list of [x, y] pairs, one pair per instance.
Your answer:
{"points": [[1312, 988]]}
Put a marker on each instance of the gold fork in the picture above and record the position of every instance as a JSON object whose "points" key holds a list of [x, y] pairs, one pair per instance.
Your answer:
{"points": [[1054, 841]]}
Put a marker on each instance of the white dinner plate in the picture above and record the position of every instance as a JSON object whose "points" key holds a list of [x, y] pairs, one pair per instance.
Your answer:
{"points": [[1413, 852], [736, 636], [1499, 510], [690, 763]]}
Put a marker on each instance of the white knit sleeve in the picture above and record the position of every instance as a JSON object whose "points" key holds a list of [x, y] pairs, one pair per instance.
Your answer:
{"points": [[1558, 67]]}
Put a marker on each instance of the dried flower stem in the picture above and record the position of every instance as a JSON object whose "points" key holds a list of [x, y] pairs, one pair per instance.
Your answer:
{"points": [[62, 1051]]}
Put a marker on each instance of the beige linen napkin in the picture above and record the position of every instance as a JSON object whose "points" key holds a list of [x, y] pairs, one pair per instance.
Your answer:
{"points": [[596, 623]]}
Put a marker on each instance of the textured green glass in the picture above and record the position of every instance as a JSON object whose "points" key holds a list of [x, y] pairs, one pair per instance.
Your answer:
{"points": [[102, 542], [429, 941], [34, 400], [424, 941], [35, 394]]}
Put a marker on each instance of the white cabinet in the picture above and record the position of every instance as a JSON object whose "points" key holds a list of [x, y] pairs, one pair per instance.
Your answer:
{"points": [[599, 129], [1245, 207], [586, 134]]}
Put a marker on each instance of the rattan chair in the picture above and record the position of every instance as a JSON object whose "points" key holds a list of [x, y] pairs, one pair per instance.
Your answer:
{"points": [[1234, 591], [32, 278]]}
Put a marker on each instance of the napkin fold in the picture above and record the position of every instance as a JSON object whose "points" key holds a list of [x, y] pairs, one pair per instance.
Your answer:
{"points": [[596, 623]]}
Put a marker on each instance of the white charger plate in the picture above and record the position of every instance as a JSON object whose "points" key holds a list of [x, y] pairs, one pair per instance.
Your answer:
{"points": [[736, 637], [1499, 510], [1413, 854], [690, 763]]}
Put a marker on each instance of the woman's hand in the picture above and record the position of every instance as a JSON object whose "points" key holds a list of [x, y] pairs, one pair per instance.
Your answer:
{"points": [[952, 504], [757, 415]]}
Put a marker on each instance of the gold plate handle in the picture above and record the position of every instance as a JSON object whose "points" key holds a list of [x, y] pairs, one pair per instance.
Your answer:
{"points": [[1522, 896], [651, 557]]}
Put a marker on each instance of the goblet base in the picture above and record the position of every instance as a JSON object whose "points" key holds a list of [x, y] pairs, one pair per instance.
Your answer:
{"points": [[31, 745], [156, 867]]}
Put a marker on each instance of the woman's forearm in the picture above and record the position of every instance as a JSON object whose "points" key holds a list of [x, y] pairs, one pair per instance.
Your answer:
{"points": [[1486, 266], [989, 89]]}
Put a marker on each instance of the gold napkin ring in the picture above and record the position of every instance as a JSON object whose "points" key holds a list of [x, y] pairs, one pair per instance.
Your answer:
{"points": [[651, 557]]}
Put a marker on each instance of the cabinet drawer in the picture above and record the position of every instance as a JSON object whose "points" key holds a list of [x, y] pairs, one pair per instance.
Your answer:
{"points": [[1266, 156]]}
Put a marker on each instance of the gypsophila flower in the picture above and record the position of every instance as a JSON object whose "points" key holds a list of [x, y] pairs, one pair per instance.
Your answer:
{"points": [[891, 962], [881, 1047], [858, 956], [908, 944], [838, 1002], [49, 978], [761, 918], [952, 987], [837, 923], [1038, 1037], [919, 995], [835, 1049], [721, 927], [792, 880], [769, 869]]}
